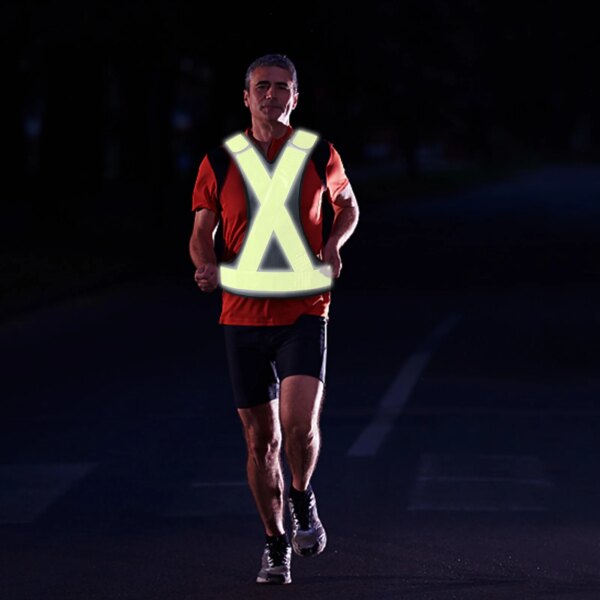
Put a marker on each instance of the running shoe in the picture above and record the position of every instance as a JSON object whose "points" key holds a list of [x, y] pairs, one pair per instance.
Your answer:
{"points": [[308, 534], [276, 563]]}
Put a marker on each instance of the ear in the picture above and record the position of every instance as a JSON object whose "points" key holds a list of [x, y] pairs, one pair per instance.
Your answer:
{"points": [[246, 98], [295, 101]]}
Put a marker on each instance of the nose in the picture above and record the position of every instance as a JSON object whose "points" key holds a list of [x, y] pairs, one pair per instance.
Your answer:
{"points": [[269, 93]]}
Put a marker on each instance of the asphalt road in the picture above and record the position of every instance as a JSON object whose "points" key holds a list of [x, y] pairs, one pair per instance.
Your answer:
{"points": [[461, 446]]}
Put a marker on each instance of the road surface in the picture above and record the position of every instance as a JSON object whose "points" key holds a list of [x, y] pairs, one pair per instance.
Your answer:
{"points": [[461, 446]]}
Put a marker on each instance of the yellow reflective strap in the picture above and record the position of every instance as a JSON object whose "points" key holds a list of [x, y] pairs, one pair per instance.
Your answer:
{"points": [[273, 219], [272, 216], [251, 165], [304, 139], [282, 283], [237, 142]]}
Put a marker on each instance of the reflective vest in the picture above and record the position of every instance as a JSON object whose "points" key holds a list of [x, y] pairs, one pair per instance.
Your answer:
{"points": [[275, 258]]}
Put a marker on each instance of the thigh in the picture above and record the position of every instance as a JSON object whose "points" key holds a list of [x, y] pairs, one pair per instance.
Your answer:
{"points": [[261, 425], [250, 364], [301, 402], [301, 349]]}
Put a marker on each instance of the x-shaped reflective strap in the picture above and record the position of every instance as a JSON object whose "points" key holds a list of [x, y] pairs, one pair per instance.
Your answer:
{"points": [[273, 218]]}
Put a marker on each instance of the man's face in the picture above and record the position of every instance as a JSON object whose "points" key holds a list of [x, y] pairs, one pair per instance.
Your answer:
{"points": [[271, 96]]}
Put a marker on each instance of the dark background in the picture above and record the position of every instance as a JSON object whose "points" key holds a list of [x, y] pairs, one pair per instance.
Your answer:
{"points": [[466, 318], [109, 107]]}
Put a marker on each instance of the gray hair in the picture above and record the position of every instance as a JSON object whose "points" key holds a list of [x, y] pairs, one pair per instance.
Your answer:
{"points": [[272, 60]]}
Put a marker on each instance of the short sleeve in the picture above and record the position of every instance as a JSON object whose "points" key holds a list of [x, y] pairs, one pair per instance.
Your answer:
{"points": [[205, 188], [335, 173]]}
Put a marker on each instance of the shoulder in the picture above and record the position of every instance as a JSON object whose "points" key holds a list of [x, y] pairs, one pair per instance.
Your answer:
{"points": [[216, 153], [321, 155], [325, 150], [218, 159]]}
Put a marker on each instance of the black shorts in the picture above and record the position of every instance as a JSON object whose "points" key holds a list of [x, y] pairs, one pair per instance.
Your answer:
{"points": [[259, 357]]}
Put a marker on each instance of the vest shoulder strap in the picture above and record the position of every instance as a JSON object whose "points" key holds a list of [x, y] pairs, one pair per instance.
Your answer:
{"points": [[320, 157], [219, 161]]}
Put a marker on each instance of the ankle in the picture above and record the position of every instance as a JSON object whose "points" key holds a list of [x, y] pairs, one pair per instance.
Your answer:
{"points": [[280, 539], [296, 494]]}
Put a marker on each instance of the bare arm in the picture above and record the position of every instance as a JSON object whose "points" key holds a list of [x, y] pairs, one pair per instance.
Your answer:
{"points": [[345, 220], [202, 250]]}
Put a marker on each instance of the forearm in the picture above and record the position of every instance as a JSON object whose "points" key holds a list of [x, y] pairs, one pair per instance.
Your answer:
{"points": [[202, 250], [344, 223]]}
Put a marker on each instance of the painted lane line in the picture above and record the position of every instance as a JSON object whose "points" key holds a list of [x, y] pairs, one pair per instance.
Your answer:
{"points": [[212, 499], [28, 490], [452, 479], [481, 482], [395, 398], [477, 508], [202, 484]]}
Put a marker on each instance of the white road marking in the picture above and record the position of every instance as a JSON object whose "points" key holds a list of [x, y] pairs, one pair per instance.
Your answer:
{"points": [[212, 499], [443, 479], [480, 482], [209, 484], [26, 491], [395, 398]]}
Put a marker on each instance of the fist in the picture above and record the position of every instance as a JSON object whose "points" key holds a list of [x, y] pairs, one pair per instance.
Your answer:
{"points": [[331, 256], [207, 277]]}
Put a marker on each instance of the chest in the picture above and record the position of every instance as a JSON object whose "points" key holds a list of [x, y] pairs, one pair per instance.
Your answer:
{"points": [[304, 198]]}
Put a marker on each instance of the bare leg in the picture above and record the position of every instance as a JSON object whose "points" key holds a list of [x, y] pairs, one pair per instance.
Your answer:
{"points": [[262, 430], [301, 402]]}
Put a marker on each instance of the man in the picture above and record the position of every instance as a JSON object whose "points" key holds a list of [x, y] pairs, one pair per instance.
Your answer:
{"points": [[275, 341]]}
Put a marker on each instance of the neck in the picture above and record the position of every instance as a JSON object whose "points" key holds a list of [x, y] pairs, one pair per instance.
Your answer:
{"points": [[265, 131]]}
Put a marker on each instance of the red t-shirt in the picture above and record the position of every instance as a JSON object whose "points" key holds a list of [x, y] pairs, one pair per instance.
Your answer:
{"points": [[231, 208]]}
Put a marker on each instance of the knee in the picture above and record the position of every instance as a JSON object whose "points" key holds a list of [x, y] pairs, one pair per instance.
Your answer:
{"points": [[263, 446], [302, 434]]}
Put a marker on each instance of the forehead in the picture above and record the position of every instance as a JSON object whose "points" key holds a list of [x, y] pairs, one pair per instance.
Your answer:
{"points": [[271, 74]]}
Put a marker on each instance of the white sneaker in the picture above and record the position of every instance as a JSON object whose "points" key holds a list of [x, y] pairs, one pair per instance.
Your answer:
{"points": [[308, 534], [275, 565]]}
